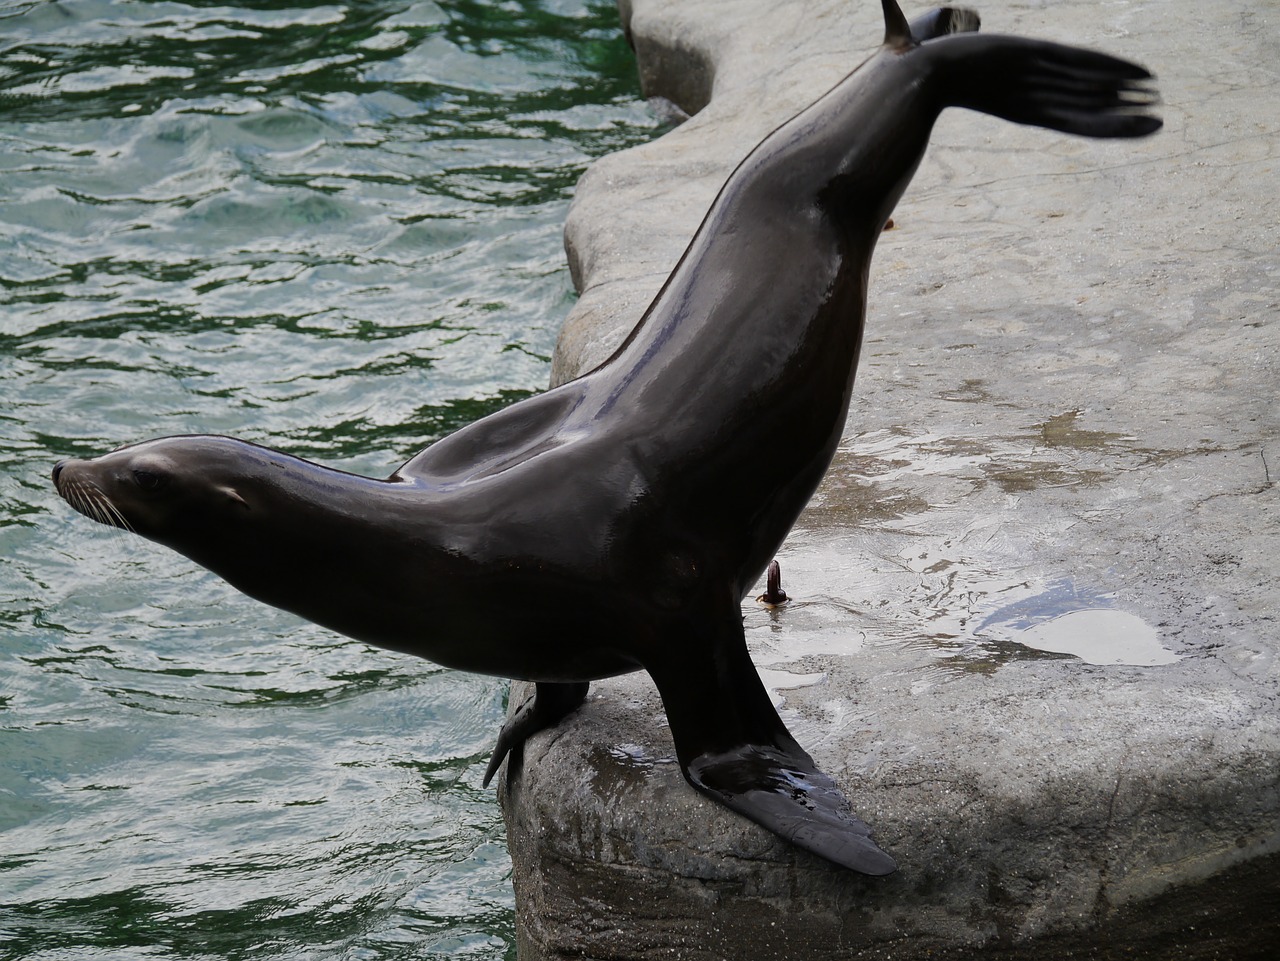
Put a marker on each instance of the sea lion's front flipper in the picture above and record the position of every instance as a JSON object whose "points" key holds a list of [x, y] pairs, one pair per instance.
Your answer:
{"points": [[735, 749], [550, 704], [784, 791]]}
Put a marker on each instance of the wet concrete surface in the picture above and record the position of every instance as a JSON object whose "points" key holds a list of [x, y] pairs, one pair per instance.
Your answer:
{"points": [[1033, 627]]}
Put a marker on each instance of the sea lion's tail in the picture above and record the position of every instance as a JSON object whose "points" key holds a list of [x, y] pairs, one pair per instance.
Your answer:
{"points": [[1045, 84]]}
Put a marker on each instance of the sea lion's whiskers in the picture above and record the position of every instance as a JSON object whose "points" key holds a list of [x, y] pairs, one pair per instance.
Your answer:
{"points": [[74, 495], [89, 499], [118, 520], [84, 502]]}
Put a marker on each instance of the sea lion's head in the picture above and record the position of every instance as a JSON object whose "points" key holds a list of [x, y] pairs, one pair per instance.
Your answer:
{"points": [[172, 490], [282, 529]]}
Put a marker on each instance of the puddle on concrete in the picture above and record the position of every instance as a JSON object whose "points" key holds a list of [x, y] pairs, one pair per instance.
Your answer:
{"points": [[777, 680], [906, 542], [961, 619], [887, 474], [1061, 431], [620, 770], [632, 756], [1064, 618], [1099, 636]]}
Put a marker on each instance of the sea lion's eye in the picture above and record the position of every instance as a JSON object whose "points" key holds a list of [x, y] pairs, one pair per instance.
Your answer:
{"points": [[147, 480]]}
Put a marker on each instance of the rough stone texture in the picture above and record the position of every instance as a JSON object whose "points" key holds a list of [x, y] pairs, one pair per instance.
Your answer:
{"points": [[1067, 402]]}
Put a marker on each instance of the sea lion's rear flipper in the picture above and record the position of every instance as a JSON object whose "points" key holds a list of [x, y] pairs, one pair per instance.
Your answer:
{"points": [[735, 749], [1044, 84], [550, 704]]}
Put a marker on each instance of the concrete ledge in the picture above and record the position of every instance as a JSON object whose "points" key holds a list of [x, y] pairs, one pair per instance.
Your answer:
{"points": [[1063, 432]]}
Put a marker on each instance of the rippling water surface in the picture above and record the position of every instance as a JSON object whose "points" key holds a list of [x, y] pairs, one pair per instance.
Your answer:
{"points": [[333, 228]]}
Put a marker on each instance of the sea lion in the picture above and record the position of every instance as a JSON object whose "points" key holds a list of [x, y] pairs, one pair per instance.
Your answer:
{"points": [[616, 522]]}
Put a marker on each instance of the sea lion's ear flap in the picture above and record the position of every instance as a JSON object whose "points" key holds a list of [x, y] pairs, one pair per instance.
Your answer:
{"points": [[234, 497]]}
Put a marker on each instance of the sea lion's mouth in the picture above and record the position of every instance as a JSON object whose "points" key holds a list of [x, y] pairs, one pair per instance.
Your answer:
{"points": [[89, 499]]}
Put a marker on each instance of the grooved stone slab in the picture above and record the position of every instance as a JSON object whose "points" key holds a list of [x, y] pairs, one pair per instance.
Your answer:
{"points": [[1033, 631]]}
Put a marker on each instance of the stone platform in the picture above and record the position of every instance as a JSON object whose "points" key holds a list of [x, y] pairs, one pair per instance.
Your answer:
{"points": [[1034, 627]]}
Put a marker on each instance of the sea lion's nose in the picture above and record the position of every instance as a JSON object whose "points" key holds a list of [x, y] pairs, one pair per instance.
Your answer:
{"points": [[57, 469]]}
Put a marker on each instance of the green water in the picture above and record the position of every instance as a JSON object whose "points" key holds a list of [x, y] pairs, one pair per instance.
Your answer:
{"points": [[333, 228]]}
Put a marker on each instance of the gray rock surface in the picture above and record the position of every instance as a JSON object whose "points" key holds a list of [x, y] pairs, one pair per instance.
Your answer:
{"points": [[1033, 631]]}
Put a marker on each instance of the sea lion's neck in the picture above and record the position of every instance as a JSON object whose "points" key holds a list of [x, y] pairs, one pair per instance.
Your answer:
{"points": [[310, 538], [779, 265]]}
